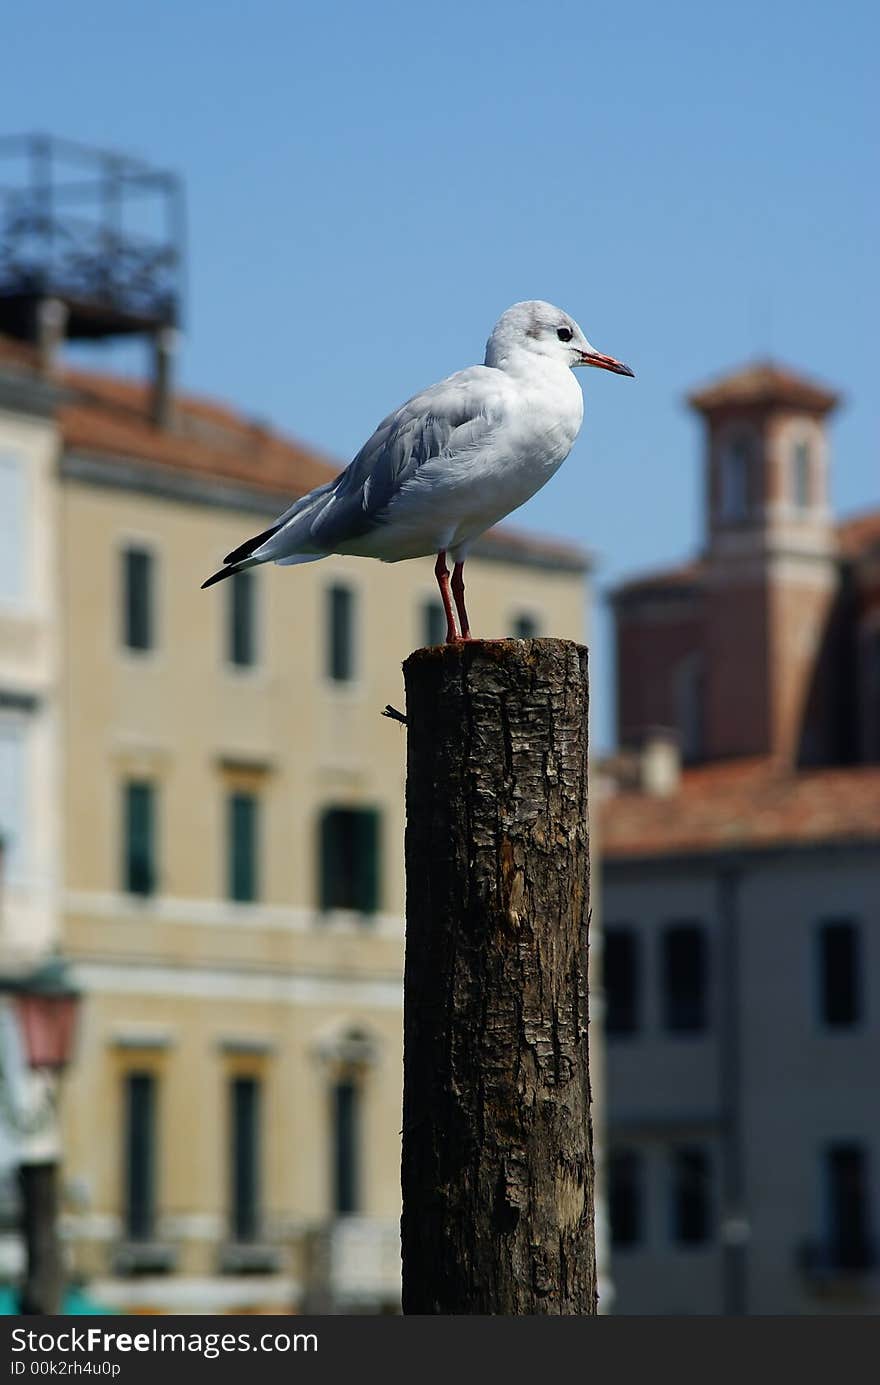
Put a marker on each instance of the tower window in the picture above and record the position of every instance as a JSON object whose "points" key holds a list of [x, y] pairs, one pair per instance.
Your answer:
{"points": [[620, 949], [801, 475], [685, 976], [734, 490], [138, 599], [688, 693], [625, 1198], [839, 974]]}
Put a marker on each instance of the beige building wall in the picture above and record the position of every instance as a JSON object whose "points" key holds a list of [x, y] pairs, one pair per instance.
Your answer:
{"points": [[193, 988]]}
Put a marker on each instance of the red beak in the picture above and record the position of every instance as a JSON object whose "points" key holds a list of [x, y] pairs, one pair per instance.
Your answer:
{"points": [[605, 363]]}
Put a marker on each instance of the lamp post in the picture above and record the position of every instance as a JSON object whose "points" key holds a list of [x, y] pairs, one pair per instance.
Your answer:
{"points": [[43, 1006]]}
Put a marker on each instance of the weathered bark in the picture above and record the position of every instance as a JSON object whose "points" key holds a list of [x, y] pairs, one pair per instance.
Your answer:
{"points": [[497, 1153]]}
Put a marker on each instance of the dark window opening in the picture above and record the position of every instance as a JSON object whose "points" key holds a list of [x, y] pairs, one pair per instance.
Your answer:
{"points": [[691, 1200], [346, 1148], [139, 859], [525, 627], [801, 487], [350, 859], [242, 631], [849, 1212], [433, 623], [625, 1197], [685, 977], [140, 1156], [138, 597], [839, 974], [340, 634], [245, 1142], [621, 980], [243, 828]]}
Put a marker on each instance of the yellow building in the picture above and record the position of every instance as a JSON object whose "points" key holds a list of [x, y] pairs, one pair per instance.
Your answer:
{"points": [[232, 859]]}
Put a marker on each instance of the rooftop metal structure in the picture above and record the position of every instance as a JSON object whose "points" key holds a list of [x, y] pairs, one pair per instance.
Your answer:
{"points": [[99, 232]]}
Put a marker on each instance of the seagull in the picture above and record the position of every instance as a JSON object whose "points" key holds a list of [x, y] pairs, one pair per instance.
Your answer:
{"points": [[450, 462]]}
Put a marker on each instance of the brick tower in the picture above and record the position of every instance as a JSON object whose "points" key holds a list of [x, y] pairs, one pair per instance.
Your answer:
{"points": [[771, 576]]}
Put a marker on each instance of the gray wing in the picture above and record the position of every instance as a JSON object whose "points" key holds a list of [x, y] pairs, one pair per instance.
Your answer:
{"points": [[450, 418]]}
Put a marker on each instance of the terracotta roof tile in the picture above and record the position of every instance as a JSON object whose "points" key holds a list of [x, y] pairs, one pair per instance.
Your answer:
{"points": [[753, 803], [763, 382]]}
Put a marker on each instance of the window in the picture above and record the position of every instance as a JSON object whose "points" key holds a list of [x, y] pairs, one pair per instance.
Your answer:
{"points": [[13, 528], [245, 1163], [625, 1198], [137, 598], [801, 475], [839, 974], [525, 627], [140, 1156], [684, 977], [242, 629], [346, 1147], [691, 1200], [688, 693], [734, 490], [12, 799], [848, 1207], [350, 859], [340, 634], [433, 623], [139, 850], [243, 829], [621, 980]]}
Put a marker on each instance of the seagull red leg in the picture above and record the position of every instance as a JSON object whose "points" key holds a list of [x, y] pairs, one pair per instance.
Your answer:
{"points": [[458, 593], [441, 572]]}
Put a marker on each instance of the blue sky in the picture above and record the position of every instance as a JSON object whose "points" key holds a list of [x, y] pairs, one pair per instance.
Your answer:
{"points": [[370, 185]]}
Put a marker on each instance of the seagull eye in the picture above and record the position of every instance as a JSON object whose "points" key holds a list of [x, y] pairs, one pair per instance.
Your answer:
{"points": [[564, 333]]}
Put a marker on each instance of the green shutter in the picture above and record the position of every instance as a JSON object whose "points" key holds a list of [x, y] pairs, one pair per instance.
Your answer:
{"points": [[140, 1152], [243, 810], [366, 841], [242, 609], [139, 873], [349, 859], [137, 580], [340, 634], [245, 1139]]}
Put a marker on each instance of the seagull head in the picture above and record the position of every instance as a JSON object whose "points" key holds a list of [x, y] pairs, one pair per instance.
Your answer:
{"points": [[537, 329]]}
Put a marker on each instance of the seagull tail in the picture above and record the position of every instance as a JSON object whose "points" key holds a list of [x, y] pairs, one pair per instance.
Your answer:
{"points": [[241, 558]]}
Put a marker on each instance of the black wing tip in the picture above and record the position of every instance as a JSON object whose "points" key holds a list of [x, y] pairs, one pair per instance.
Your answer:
{"points": [[218, 576], [250, 546]]}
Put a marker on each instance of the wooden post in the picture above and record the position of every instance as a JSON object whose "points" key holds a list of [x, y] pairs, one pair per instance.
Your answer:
{"points": [[497, 1153], [42, 1290]]}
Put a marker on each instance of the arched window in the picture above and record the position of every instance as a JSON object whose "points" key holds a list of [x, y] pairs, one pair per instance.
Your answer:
{"points": [[734, 490], [801, 463]]}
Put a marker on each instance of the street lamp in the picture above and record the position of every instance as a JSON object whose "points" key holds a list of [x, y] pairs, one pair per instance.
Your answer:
{"points": [[45, 1005]]}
